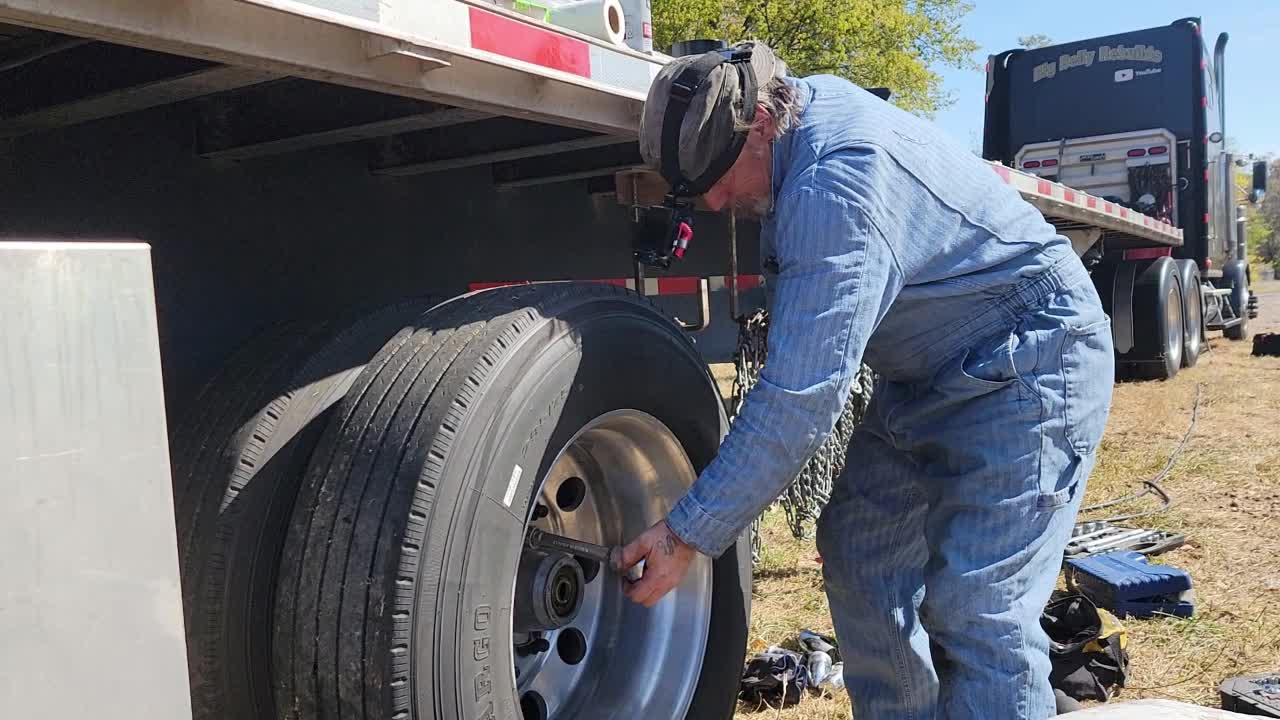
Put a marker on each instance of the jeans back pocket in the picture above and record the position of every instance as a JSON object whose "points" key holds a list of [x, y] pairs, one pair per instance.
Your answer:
{"points": [[1088, 373]]}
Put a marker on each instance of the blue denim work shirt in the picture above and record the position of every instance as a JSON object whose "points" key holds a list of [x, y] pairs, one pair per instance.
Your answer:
{"points": [[891, 241]]}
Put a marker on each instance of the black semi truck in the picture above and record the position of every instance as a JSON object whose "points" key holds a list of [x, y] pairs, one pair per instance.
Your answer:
{"points": [[1138, 119]]}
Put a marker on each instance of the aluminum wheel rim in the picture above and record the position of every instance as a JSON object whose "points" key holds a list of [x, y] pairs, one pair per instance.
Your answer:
{"points": [[638, 662], [1193, 319], [1173, 316]]}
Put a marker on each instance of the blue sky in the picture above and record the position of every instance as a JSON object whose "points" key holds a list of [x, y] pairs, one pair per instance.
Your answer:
{"points": [[1253, 55]]}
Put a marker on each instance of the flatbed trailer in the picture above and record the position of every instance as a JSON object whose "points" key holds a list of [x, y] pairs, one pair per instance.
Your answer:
{"points": [[258, 260]]}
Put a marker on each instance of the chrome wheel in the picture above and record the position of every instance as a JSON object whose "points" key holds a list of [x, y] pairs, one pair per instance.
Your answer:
{"points": [[1174, 327], [1195, 325], [582, 649]]}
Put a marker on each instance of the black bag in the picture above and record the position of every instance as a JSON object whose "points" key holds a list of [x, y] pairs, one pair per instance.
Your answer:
{"points": [[1087, 647], [774, 676]]}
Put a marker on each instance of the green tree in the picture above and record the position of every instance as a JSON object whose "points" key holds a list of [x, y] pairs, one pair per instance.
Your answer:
{"points": [[1037, 40], [1265, 244], [872, 43]]}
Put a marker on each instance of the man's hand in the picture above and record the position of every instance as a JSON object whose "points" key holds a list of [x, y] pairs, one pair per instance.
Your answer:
{"points": [[666, 560]]}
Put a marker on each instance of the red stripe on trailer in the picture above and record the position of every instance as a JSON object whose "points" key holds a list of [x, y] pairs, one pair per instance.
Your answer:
{"points": [[1002, 171], [522, 41], [1124, 213], [620, 282], [1147, 253], [1043, 187], [472, 287], [677, 285], [748, 282], [1069, 195], [1091, 201], [1108, 208]]}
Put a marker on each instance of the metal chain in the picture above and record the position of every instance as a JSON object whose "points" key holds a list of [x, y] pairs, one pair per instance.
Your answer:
{"points": [[810, 490]]}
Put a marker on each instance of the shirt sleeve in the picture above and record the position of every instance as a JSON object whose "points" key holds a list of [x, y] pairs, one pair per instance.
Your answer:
{"points": [[836, 279]]}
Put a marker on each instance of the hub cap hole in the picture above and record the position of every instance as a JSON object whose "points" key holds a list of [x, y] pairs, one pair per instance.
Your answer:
{"points": [[533, 707], [571, 494], [571, 645], [590, 568]]}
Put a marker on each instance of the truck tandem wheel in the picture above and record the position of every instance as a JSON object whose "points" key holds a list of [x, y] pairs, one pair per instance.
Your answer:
{"points": [[1236, 274], [1158, 324], [237, 461], [1192, 312], [576, 407]]}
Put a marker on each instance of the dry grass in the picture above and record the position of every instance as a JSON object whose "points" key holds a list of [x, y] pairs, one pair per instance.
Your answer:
{"points": [[1226, 491]]}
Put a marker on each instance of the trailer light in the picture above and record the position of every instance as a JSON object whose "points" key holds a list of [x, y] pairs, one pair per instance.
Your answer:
{"points": [[1031, 165], [1158, 150], [1049, 163], [1137, 152]]}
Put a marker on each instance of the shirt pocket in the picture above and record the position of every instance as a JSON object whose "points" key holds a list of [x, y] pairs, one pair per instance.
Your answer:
{"points": [[1088, 374]]}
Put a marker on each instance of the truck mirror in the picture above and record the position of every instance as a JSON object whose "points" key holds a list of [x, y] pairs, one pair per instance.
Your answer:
{"points": [[1259, 181]]}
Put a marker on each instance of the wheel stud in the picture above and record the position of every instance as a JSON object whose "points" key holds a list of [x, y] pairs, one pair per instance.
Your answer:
{"points": [[540, 511], [533, 647]]}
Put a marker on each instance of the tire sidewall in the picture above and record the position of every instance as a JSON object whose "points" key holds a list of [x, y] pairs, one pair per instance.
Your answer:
{"points": [[1193, 337], [564, 373]]}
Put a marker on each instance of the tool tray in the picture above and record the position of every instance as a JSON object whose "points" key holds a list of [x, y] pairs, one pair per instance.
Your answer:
{"points": [[1126, 584], [1252, 695]]}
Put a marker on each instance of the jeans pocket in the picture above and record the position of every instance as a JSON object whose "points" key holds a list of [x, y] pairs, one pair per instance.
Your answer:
{"points": [[988, 367], [1088, 374]]}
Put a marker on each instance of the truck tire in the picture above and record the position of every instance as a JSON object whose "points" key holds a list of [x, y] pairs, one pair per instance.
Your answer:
{"points": [[576, 407], [1236, 275], [1158, 325], [237, 465], [1192, 312]]}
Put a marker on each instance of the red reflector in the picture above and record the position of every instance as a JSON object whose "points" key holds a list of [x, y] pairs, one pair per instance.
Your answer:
{"points": [[1147, 253], [1031, 164], [1204, 64], [1206, 174], [1206, 218], [1137, 152], [1158, 150], [1049, 163], [1204, 101], [1208, 263]]}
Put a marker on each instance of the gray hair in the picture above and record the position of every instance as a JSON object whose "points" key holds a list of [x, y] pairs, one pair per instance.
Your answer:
{"points": [[783, 102]]}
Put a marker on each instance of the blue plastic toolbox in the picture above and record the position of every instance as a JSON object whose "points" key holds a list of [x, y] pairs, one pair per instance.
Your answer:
{"points": [[1124, 583]]}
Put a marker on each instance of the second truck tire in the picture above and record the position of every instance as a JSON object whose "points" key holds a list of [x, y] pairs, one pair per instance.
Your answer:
{"points": [[1236, 276], [577, 407], [1158, 324], [1192, 311], [238, 458]]}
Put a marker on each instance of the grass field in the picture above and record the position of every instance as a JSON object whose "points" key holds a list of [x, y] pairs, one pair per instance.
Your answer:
{"points": [[1226, 492]]}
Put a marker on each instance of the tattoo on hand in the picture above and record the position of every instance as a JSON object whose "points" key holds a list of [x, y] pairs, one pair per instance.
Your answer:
{"points": [[667, 545]]}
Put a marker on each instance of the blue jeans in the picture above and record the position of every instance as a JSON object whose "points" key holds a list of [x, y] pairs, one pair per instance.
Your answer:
{"points": [[944, 536]]}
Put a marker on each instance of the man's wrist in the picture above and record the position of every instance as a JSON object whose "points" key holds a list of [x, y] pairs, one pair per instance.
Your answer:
{"points": [[699, 530]]}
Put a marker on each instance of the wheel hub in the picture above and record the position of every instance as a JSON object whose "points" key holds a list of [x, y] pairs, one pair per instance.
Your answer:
{"points": [[548, 591]]}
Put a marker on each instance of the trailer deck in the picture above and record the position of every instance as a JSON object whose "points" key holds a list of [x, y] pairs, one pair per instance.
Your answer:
{"points": [[473, 63]]}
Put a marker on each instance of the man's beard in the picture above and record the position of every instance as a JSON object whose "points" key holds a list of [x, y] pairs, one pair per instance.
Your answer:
{"points": [[754, 208]]}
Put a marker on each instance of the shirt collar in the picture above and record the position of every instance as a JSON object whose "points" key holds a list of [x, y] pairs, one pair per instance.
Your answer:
{"points": [[784, 147]]}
